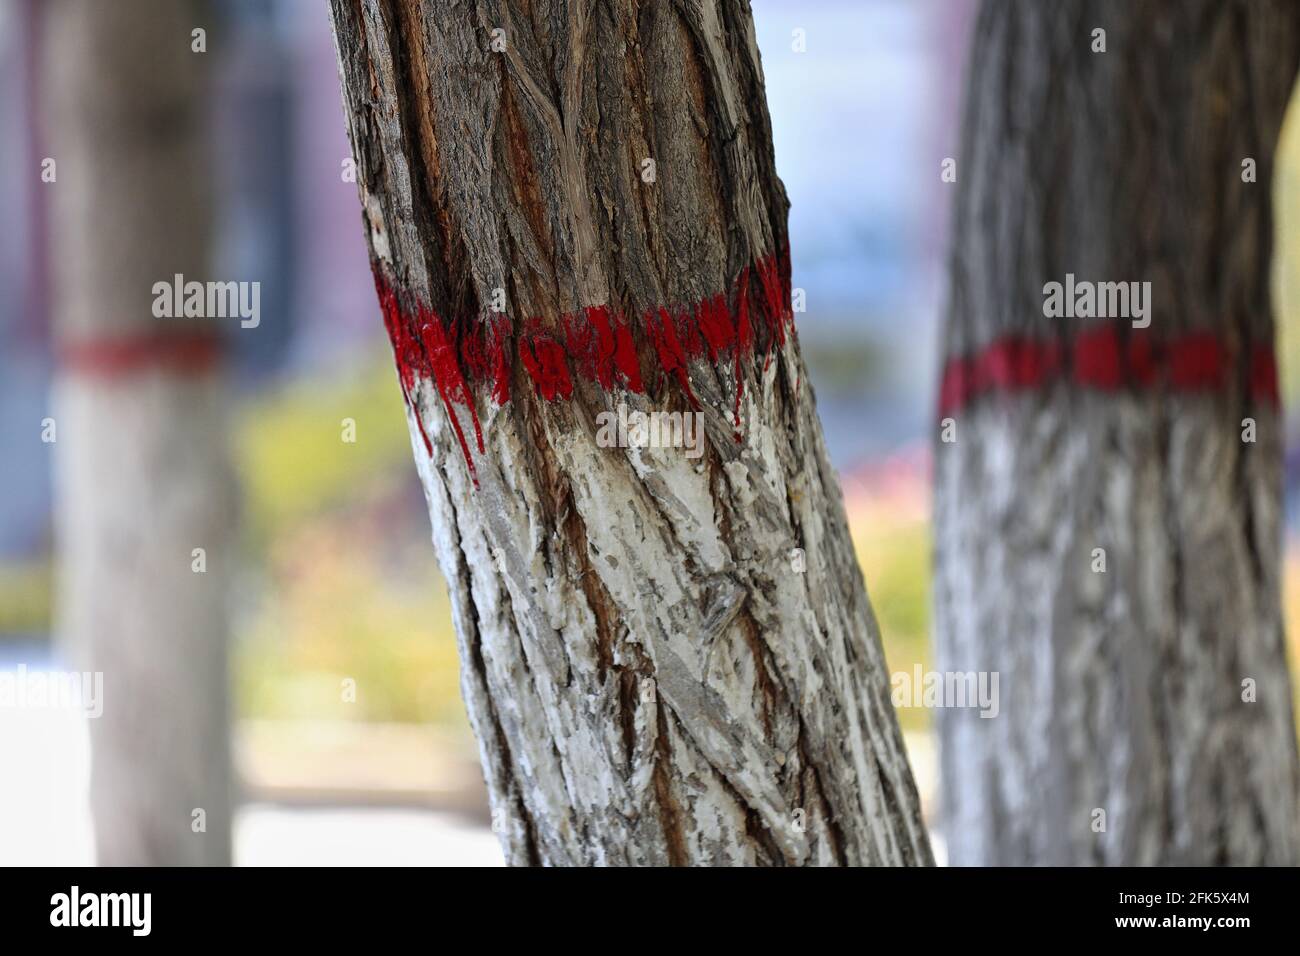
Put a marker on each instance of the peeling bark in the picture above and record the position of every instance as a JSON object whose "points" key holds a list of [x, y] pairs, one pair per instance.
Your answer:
{"points": [[650, 680], [1122, 691]]}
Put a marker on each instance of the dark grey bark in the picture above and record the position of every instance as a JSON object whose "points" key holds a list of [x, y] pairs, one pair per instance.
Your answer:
{"points": [[1121, 691], [141, 469], [582, 576]]}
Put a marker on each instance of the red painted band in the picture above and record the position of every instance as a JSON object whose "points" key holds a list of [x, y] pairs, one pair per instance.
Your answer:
{"points": [[595, 344], [1098, 359], [181, 352]]}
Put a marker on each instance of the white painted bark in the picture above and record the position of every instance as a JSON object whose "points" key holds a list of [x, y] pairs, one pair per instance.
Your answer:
{"points": [[142, 476], [580, 575], [1121, 691]]}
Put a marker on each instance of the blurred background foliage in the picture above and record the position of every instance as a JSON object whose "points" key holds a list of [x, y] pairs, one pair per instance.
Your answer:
{"points": [[346, 591]]}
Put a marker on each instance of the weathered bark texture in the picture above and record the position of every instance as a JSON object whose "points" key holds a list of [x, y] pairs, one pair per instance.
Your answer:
{"points": [[141, 469], [1121, 691], [650, 679]]}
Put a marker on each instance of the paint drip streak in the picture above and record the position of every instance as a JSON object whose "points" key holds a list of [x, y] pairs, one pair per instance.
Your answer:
{"points": [[1098, 359], [595, 344]]}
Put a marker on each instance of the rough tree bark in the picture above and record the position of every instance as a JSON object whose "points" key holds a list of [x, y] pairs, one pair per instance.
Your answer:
{"points": [[142, 477], [1122, 689], [650, 678]]}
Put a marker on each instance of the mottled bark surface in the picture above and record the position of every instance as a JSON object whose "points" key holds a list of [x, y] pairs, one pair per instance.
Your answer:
{"points": [[1123, 690], [142, 476], [650, 679]]}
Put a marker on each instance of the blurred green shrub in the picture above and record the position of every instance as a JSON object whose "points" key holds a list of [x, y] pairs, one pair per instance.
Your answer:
{"points": [[345, 585], [291, 454], [26, 598]]}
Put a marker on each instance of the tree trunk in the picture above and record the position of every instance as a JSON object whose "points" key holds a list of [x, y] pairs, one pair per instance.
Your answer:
{"points": [[1107, 534], [142, 477], [652, 678]]}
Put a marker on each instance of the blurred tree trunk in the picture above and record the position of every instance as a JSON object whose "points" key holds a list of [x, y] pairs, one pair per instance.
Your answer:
{"points": [[142, 476], [1081, 441], [652, 678]]}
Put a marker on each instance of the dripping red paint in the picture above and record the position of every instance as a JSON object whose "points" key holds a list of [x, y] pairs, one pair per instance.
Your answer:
{"points": [[595, 344]]}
